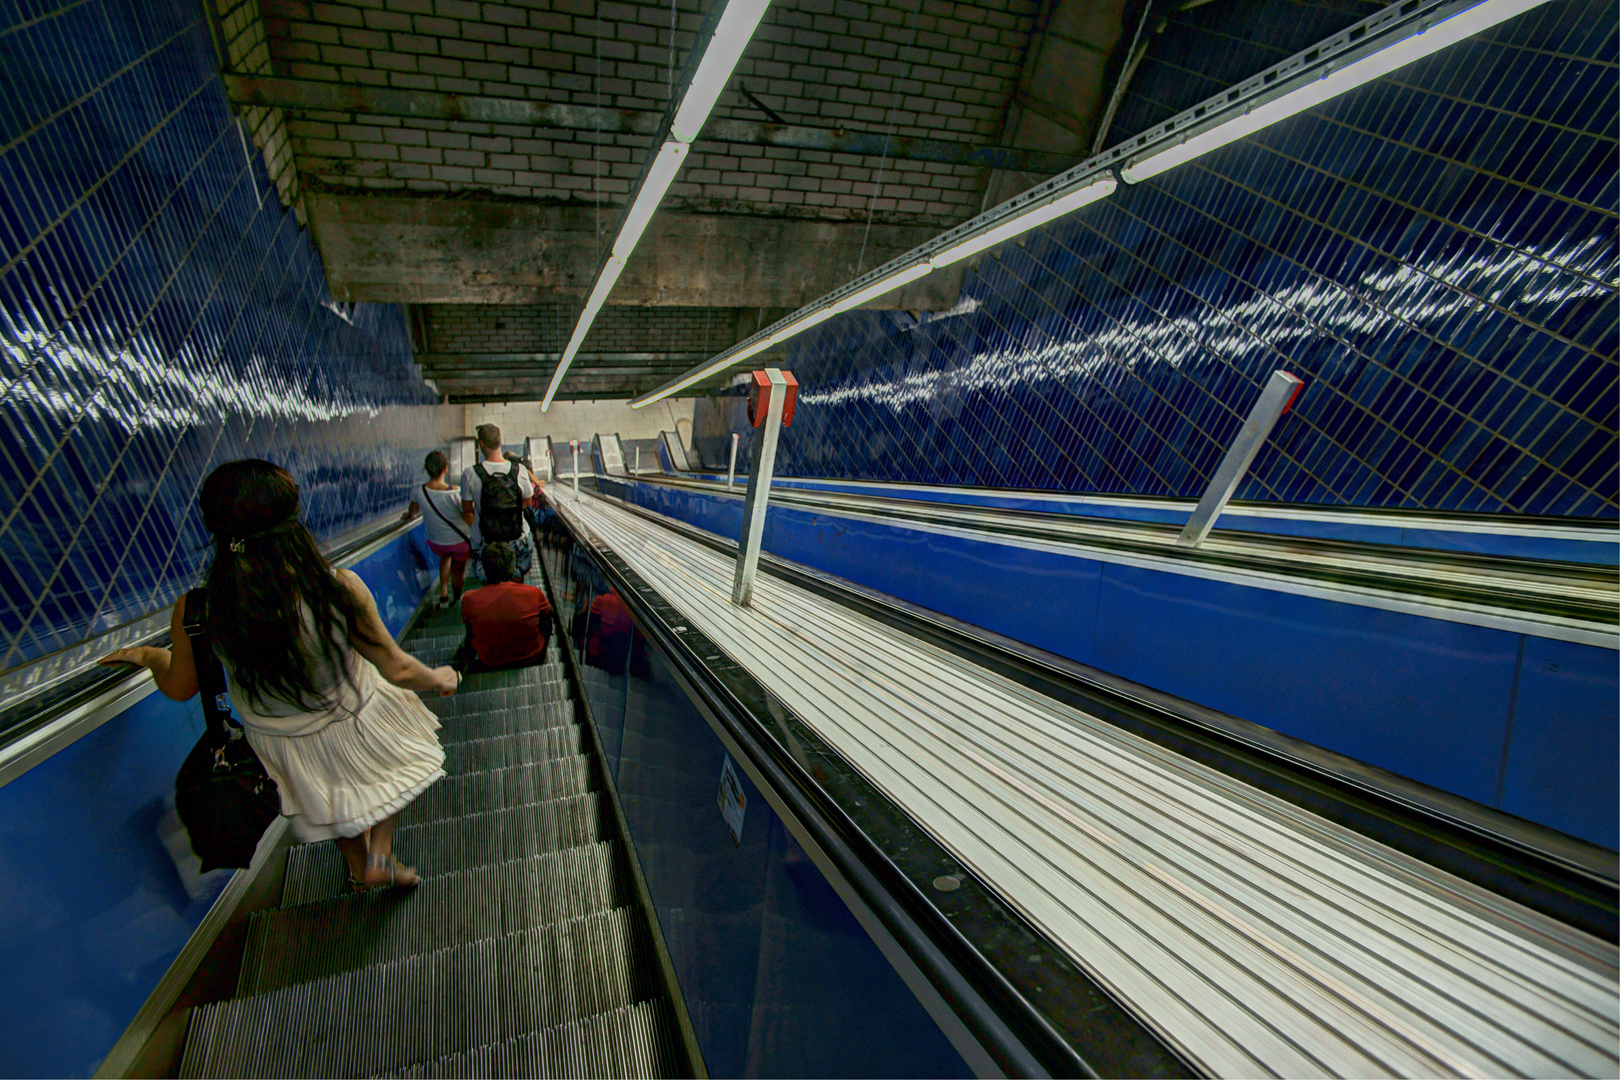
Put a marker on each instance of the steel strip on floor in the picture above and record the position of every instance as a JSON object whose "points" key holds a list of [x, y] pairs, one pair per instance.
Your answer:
{"points": [[1250, 935]]}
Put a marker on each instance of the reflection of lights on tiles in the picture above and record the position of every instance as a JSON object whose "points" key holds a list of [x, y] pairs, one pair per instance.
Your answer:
{"points": [[1224, 334]]}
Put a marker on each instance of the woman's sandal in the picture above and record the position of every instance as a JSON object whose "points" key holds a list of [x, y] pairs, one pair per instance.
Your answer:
{"points": [[376, 863]]}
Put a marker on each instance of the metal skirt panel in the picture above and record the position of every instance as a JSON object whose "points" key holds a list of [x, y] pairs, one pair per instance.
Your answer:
{"points": [[1254, 937]]}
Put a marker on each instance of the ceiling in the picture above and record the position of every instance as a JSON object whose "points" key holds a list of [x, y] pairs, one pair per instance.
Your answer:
{"points": [[469, 160]]}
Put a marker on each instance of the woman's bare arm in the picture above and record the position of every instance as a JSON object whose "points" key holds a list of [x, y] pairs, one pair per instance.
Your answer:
{"points": [[173, 669], [376, 644]]}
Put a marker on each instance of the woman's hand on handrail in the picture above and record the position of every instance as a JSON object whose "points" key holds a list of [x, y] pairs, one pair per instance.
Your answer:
{"points": [[376, 644], [174, 671]]}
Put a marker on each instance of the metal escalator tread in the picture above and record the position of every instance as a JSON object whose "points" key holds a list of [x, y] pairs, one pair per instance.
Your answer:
{"points": [[501, 751], [485, 725], [637, 1041], [316, 871], [499, 699], [324, 937], [387, 1016], [469, 792]]}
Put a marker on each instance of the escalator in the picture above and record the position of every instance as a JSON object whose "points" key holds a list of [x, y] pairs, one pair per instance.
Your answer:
{"points": [[524, 952]]}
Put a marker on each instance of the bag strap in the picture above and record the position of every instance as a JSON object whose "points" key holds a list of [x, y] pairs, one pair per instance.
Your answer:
{"points": [[429, 500], [210, 673]]}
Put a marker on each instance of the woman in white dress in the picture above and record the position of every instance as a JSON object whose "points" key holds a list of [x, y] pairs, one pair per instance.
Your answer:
{"points": [[320, 686]]}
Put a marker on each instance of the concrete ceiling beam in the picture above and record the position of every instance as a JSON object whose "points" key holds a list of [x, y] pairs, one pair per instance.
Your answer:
{"points": [[304, 95], [425, 250]]}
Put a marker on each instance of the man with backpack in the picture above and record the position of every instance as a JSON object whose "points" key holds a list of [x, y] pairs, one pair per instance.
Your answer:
{"points": [[494, 491]]}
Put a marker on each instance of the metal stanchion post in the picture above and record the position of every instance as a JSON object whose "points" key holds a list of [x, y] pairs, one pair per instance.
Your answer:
{"points": [[576, 465], [731, 474], [1275, 399], [773, 393]]}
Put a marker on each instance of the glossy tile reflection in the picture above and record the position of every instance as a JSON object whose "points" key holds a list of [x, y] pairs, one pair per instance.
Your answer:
{"points": [[1433, 253], [160, 312]]}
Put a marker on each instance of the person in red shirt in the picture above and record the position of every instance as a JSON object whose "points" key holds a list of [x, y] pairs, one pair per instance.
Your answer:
{"points": [[506, 619]]}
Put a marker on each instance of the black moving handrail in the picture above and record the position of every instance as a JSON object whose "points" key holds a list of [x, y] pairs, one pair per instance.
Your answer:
{"points": [[1031, 1010], [39, 709]]}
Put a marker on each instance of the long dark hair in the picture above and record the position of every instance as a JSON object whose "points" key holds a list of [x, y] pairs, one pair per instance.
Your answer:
{"points": [[265, 563]]}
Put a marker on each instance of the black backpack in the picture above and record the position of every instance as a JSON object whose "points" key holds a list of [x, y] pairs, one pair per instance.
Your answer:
{"points": [[223, 796], [500, 507]]}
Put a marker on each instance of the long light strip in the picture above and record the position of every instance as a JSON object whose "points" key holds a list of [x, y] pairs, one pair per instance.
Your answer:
{"points": [[1037, 213], [944, 252], [1331, 84], [731, 36]]}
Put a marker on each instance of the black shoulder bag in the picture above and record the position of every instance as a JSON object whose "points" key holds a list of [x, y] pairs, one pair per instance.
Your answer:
{"points": [[224, 797]]}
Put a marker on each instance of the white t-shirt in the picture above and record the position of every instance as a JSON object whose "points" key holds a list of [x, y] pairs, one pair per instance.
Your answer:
{"points": [[441, 510], [472, 490]]}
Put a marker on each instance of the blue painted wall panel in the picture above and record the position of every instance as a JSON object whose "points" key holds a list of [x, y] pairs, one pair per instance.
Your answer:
{"points": [[93, 907], [1563, 756], [1421, 697]]}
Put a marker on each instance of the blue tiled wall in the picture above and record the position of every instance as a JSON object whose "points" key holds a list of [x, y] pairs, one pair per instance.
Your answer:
{"points": [[160, 313], [1434, 253]]}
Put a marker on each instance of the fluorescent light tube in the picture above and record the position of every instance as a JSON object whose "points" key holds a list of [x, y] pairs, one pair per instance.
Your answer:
{"points": [[664, 167], [853, 300], [1030, 219], [793, 329], [697, 375], [1398, 54], [720, 58], [604, 285]]}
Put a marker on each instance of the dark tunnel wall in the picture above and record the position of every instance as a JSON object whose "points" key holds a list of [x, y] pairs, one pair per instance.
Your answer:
{"points": [[160, 313], [1434, 253]]}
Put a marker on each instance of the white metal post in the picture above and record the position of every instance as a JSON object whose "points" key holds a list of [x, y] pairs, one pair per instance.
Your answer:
{"points": [[576, 465], [731, 474], [1274, 401], [638, 461], [760, 467]]}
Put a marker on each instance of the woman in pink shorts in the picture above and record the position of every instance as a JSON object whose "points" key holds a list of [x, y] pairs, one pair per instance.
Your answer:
{"points": [[446, 527]]}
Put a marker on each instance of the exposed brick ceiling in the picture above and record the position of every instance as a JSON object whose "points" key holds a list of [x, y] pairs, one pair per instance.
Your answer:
{"points": [[492, 230]]}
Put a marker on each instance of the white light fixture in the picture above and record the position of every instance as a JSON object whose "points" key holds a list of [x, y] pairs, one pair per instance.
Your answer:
{"points": [[659, 177], [1036, 216], [731, 36], [1331, 84], [720, 58], [853, 300], [604, 285]]}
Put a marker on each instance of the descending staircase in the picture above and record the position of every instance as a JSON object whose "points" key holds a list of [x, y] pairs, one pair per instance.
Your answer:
{"points": [[522, 953]]}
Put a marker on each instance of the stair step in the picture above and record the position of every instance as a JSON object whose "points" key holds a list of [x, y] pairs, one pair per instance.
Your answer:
{"points": [[316, 940], [547, 715], [499, 699], [638, 1041], [503, 751], [317, 871], [474, 792], [387, 1016]]}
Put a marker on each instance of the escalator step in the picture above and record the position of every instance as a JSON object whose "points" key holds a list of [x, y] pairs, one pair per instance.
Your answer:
{"points": [[638, 1041], [312, 941], [498, 699], [503, 751], [317, 871], [385, 1017], [497, 722], [474, 792]]}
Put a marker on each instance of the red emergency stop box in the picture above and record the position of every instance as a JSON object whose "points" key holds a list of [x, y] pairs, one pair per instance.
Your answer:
{"points": [[759, 398]]}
